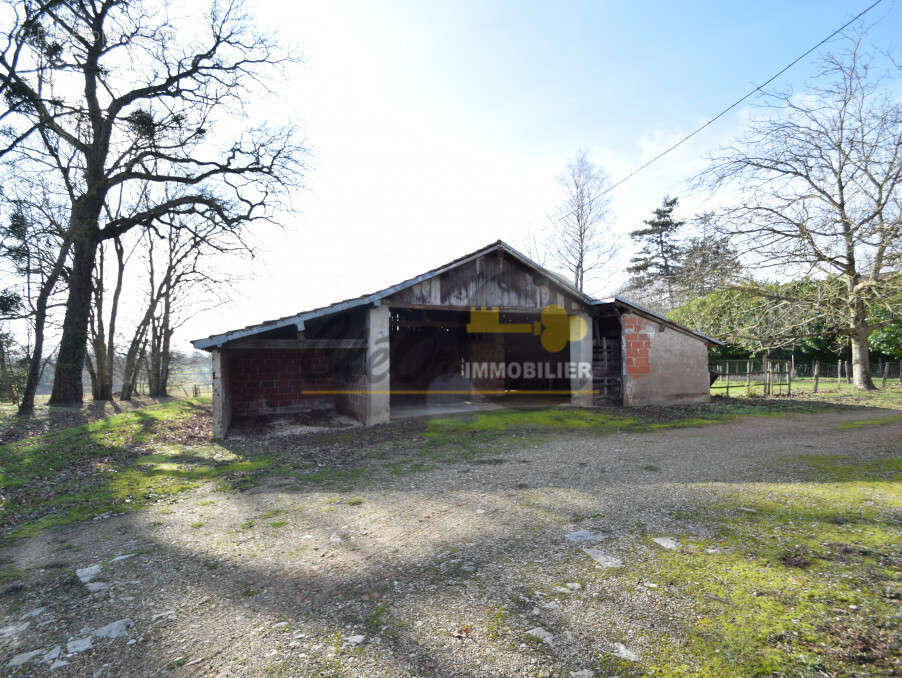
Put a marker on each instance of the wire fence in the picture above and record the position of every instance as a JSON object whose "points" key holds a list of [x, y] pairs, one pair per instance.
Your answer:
{"points": [[784, 377]]}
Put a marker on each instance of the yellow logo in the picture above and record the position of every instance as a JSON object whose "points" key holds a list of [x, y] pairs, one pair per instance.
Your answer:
{"points": [[554, 330]]}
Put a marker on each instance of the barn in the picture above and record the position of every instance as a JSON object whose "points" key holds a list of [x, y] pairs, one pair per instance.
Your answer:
{"points": [[490, 326]]}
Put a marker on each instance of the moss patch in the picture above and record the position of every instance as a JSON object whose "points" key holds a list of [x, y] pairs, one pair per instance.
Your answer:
{"points": [[801, 579], [879, 421], [78, 473]]}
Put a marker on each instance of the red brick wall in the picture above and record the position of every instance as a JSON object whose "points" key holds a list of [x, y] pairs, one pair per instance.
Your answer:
{"points": [[637, 345], [272, 381]]}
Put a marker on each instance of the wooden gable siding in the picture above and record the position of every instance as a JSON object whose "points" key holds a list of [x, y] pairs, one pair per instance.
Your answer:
{"points": [[491, 280]]}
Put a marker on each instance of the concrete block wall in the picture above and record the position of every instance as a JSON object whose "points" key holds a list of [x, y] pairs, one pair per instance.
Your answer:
{"points": [[353, 401], [662, 365]]}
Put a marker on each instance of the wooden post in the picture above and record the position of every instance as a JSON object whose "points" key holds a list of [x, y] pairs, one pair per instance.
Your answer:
{"points": [[768, 378], [793, 358], [728, 379], [815, 373], [789, 378], [838, 374], [848, 371], [885, 373], [748, 377]]}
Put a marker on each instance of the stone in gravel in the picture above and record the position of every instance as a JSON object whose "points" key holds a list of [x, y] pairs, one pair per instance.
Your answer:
{"points": [[58, 664], [747, 509], [583, 673], [541, 634], [24, 658], [353, 641], [581, 536], [86, 574], [167, 613], [52, 654], [280, 625], [79, 645], [713, 551], [624, 652], [603, 559], [124, 556], [14, 629], [666, 542], [95, 586], [561, 589], [116, 629], [337, 539], [573, 586], [34, 613], [468, 567]]}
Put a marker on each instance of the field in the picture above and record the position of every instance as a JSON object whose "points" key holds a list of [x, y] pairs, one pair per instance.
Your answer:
{"points": [[829, 391], [743, 537]]}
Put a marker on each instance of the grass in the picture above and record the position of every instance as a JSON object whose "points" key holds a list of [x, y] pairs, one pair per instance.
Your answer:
{"points": [[808, 584], [88, 470], [879, 421], [103, 466], [846, 394], [487, 425]]}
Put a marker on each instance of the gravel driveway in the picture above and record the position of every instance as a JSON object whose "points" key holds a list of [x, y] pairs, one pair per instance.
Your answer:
{"points": [[483, 568]]}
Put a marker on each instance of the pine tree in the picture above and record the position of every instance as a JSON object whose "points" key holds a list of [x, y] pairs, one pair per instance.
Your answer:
{"points": [[657, 263]]}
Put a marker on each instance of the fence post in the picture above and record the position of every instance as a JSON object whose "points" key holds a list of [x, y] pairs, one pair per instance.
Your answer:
{"points": [[748, 377], [848, 371], [885, 374], [789, 378], [768, 378], [728, 379], [815, 373], [838, 374]]}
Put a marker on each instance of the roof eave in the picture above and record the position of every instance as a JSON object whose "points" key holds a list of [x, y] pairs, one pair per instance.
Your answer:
{"points": [[657, 316]]}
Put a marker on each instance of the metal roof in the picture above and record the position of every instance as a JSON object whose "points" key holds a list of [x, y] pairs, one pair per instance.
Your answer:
{"points": [[297, 320]]}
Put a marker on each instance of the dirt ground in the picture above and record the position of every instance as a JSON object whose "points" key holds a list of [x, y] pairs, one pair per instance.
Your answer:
{"points": [[462, 570]]}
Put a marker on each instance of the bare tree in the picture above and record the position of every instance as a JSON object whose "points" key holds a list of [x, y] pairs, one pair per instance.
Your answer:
{"points": [[102, 335], [178, 257], [110, 96], [33, 241], [582, 241], [818, 178]]}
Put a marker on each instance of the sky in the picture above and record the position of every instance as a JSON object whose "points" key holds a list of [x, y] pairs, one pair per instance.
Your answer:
{"points": [[436, 128]]}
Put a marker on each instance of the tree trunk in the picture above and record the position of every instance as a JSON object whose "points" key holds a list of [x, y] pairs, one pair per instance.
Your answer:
{"points": [[104, 337], [70, 362], [861, 375], [26, 407], [40, 319]]}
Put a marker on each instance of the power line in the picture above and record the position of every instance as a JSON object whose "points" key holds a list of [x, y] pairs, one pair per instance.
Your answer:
{"points": [[733, 105]]}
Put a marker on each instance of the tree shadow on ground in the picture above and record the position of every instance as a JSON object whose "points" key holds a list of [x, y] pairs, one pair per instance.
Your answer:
{"points": [[358, 596], [49, 418]]}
